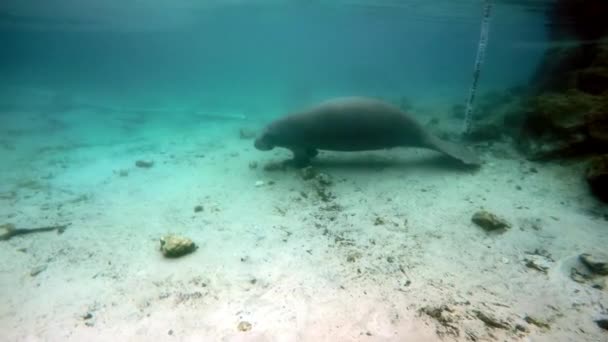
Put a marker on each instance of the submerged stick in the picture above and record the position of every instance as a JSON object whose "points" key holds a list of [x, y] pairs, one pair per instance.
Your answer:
{"points": [[9, 230], [481, 52]]}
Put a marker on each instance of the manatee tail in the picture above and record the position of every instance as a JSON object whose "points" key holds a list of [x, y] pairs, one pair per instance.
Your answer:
{"points": [[455, 151]]}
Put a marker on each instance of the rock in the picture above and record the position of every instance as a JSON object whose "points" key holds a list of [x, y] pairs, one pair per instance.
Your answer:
{"points": [[173, 246], [602, 323], [145, 164], [244, 326], [597, 176], [489, 221], [198, 209], [597, 263], [253, 165], [259, 183], [6, 231]]}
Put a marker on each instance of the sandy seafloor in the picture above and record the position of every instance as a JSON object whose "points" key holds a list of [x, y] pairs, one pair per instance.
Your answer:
{"points": [[396, 237]]}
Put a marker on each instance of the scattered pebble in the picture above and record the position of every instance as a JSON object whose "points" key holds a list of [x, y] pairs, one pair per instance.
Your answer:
{"points": [[173, 246], [244, 326], [198, 208], [145, 164]]}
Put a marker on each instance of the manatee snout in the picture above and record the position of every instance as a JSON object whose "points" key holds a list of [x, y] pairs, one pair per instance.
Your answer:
{"points": [[263, 143]]}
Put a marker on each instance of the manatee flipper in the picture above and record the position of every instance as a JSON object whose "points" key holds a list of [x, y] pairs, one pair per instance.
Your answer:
{"points": [[454, 150], [302, 155]]}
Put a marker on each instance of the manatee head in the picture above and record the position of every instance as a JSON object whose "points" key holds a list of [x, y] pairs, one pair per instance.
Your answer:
{"points": [[265, 142]]}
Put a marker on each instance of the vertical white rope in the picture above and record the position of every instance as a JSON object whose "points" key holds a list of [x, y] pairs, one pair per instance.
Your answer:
{"points": [[481, 52]]}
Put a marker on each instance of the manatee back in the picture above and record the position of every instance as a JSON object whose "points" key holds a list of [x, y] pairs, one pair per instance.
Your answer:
{"points": [[351, 124]]}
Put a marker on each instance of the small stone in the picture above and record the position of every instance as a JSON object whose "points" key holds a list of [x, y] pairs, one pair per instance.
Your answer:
{"points": [[253, 165], [489, 221], [259, 183], [6, 231], [602, 323], [173, 246], [353, 256], [597, 263], [37, 270], [87, 315], [244, 326], [198, 208], [123, 173], [145, 164], [378, 221]]}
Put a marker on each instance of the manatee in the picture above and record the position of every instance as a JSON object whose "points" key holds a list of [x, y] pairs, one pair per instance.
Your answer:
{"points": [[353, 124]]}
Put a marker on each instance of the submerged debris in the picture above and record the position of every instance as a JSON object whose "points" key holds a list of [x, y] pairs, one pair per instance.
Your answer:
{"points": [[173, 246], [8, 230], [489, 221], [537, 321]]}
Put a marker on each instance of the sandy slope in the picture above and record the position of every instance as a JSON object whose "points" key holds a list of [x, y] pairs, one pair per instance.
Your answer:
{"points": [[395, 238]]}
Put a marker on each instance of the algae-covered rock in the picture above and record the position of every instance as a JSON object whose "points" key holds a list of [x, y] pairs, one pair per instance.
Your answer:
{"points": [[7, 231], [597, 262], [562, 124], [173, 246], [489, 221], [597, 176]]}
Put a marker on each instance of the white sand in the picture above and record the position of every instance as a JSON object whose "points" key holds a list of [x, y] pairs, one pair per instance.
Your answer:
{"points": [[296, 268]]}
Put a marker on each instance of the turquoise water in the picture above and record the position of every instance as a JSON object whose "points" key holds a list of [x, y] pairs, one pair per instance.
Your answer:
{"points": [[129, 121], [265, 58]]}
